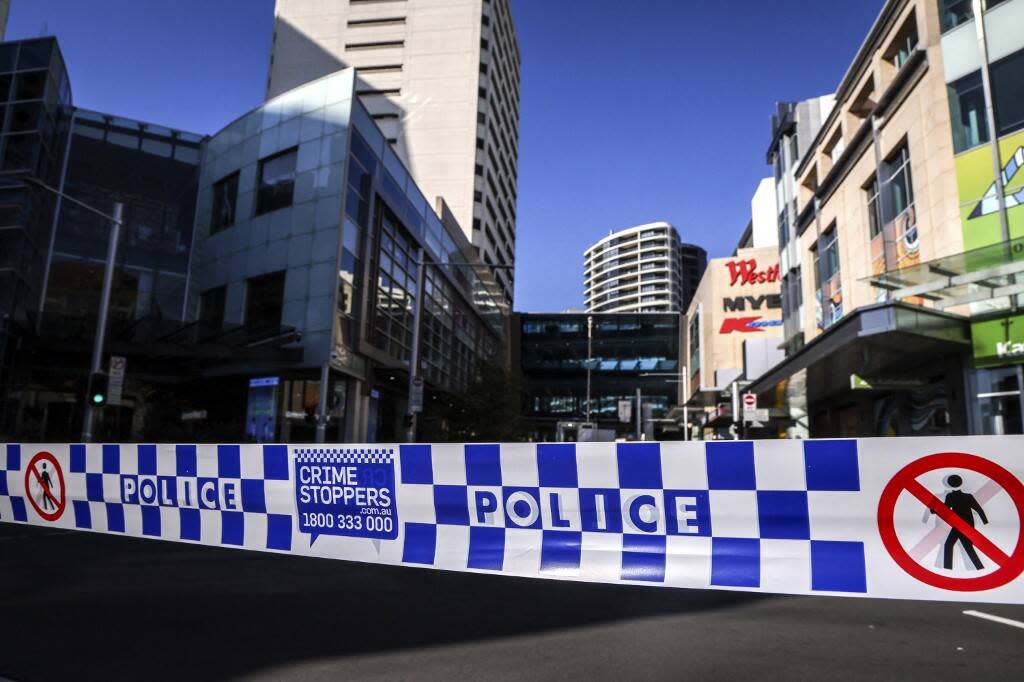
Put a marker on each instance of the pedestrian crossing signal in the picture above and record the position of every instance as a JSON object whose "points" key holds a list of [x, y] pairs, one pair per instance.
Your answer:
{"points": [[96, 395]]}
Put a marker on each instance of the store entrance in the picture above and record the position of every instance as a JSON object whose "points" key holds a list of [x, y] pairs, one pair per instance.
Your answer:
{"points": [[998, 410]]}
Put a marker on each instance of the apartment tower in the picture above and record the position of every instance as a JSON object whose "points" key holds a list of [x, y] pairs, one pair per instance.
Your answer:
{"points": [[636, 270], [441, 79]]}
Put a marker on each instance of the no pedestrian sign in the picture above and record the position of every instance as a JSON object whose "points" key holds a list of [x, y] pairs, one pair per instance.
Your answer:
{"points": [[44, 485], [993, 561]]}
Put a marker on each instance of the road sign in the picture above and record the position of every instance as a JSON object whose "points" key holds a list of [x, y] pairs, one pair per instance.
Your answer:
{"points": [[115, 385], [625, 411], [416, 395], [905, 481], [750, 401], [44, 486]]}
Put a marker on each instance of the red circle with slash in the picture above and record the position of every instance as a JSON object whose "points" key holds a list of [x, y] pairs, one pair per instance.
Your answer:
{"points": [[1010, 565], [33, 472]]}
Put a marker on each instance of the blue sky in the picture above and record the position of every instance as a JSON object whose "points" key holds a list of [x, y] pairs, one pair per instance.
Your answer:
{"points": [[631, 111]]}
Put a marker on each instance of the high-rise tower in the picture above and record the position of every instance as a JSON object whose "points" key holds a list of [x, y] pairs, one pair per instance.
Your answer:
{"points": [[441, 79]]}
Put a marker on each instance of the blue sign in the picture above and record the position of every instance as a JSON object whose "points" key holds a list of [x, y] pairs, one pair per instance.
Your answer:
{"points": [[346, 491]]}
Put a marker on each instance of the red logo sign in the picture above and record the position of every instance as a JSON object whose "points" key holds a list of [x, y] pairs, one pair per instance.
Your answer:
{"points": [[960, 530], [747, 324], [746, 272], [44, 486]]}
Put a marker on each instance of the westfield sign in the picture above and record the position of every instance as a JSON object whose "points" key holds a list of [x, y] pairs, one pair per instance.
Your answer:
{"points": [[745, 272]]}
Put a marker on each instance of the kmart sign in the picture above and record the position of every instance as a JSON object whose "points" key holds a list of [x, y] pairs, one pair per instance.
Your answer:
{"points": [[998, 342]]}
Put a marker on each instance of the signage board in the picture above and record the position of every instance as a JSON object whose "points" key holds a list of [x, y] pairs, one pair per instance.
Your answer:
{"points": [[115, 383], [998, 342], [416, 396]]}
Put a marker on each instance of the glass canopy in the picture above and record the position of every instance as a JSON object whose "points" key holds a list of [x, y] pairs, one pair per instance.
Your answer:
{"points": [[990, 278]]}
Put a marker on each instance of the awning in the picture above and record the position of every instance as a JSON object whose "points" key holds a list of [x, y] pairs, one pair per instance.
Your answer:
{"points": [[888, 340], [990, 274]]}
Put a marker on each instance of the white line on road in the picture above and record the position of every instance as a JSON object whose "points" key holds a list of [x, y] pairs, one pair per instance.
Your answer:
{"points": [[995, 619]]}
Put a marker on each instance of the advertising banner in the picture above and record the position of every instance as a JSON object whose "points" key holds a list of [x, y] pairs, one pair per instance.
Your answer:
{"points": [[908, 518]]}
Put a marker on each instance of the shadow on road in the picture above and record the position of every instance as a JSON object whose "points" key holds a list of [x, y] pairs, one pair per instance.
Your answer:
{"points": [[90, 606]]}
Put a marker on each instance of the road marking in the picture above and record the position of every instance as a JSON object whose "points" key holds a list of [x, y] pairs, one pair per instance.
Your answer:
{"points": [[995, 619]]}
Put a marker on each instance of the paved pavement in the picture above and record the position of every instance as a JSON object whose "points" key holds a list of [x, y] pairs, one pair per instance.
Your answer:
{"points": [[100, 607]]}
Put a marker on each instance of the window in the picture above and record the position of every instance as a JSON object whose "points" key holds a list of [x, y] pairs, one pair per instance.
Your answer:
{"points": [[276, 181], [901, 189], [1008, 92], [874, 207], [829, 247], [211, 307], [794, 150], [374, 45], [264, 296], [225, 193], [967, 111], [783, 228], [905, 45], [382, 68], [383, 21], [952, 13]]}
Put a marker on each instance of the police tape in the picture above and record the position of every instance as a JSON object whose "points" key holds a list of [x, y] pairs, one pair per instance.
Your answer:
{"points": [[917, 518]]}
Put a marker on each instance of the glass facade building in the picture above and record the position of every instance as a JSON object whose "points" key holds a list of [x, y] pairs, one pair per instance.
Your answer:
{"points": [[624, 351], [306, 191], [35, 107]]}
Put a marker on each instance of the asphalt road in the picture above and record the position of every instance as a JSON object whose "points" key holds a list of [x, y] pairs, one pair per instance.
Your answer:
{"points": [[99, 607]]}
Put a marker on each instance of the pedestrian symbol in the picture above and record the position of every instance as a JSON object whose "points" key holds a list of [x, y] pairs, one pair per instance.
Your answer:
{"points": [[44, 486], [958, 510], [964, 506]]}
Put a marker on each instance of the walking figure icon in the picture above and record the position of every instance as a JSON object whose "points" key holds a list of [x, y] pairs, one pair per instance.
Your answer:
{"points": [[47, 484], [963, 505]]}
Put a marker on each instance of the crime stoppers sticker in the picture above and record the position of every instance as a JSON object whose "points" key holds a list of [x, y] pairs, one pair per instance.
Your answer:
{"points": [[349, 492]]}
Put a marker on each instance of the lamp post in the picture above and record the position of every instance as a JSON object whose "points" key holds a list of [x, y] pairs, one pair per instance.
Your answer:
{"points": [[680, 378], [417, 326], [590, 358], [116, 221]]}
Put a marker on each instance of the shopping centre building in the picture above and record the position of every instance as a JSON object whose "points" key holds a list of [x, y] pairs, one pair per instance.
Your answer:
{"points": [[902, 265]]}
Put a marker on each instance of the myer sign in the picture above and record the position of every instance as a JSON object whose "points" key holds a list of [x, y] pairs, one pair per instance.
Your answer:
{"points": [[998, 342]]}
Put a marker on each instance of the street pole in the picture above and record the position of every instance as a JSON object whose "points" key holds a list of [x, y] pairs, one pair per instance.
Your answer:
{"points": [[101, 322], [321, 417], [639, 417], [990, 117], [736, 420], [686, 398], [414, 354], [590, 353]]}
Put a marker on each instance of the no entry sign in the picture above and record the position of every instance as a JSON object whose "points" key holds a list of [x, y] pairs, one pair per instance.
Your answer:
{"points": [[962, 529], [44, 486]]}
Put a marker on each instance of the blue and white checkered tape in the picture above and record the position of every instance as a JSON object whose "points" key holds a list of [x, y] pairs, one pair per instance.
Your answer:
{"points": [[777, 516]]}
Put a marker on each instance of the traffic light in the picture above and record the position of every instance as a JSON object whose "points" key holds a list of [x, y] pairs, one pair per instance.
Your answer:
{"points": [[96, 395]]}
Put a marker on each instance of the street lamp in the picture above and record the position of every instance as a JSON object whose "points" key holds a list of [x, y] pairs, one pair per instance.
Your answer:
{"points": [[415, 380], [116, 221]]}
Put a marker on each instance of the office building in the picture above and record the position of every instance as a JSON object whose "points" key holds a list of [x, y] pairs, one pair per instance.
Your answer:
{"points": [[794, 125], [623, 351], [906, 232], [309, 221], [733, 327], [251, 266], [693, 261], [58, 248], [441, 79], [634, 270]]}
